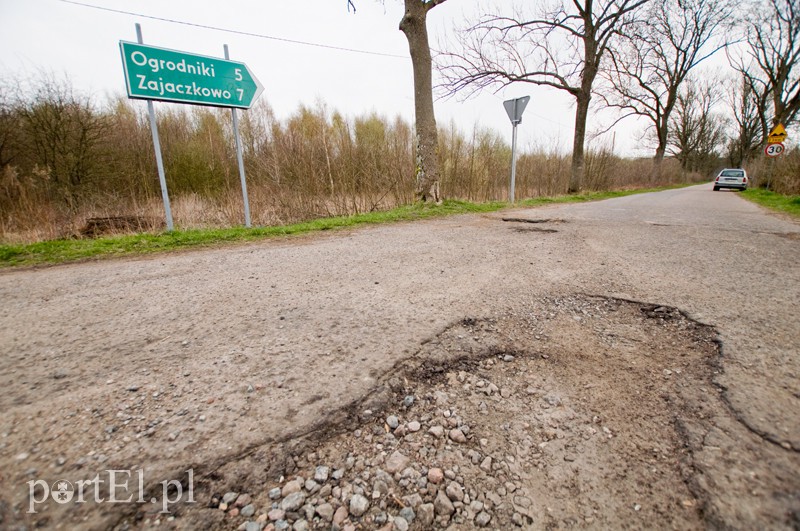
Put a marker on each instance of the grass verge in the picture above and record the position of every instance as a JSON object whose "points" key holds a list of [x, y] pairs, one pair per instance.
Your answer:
{"points": [[789, 204], [62, 251]]}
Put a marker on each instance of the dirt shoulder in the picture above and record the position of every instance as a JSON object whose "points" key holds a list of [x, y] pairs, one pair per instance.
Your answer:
{"points": [[256, 362]]}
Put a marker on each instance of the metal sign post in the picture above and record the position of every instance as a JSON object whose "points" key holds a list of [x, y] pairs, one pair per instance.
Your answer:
{"points": [[514, 109], [153, 73], [774, 148], [157, 147], [239, 158]]}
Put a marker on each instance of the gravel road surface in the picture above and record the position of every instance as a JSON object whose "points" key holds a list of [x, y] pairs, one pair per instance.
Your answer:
{"points": [[626, 363]]}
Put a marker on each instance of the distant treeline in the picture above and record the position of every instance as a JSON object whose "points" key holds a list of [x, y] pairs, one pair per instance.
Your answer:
{"points": [[65, 157]]}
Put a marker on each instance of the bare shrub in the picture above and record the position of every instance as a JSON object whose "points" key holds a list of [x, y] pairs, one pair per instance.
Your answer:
{"points": [[780, 174], [787, 173], [315, 163], [600, 168], [543, 172]]}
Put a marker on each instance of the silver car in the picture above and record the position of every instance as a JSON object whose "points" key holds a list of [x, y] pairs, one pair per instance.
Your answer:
{"points": [[731, 178]]}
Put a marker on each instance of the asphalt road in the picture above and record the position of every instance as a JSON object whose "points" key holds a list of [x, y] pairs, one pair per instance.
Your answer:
{"points": [[310, 323]]}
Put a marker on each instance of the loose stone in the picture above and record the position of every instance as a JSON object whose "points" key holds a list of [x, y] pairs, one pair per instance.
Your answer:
{"points": [[454, 491], [358, 505], [293, 501], [483, 519], [291, 487], [442, 504], [242, 500], [400, 523], [340, 515], [396, 462], [321, 474], [407, 513], [325, 511], [437, 431], [457, 435], [435, 475], [425, 514]]}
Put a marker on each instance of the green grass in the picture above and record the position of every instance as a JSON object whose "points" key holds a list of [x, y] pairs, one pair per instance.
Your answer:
{"points": [[61, 251], [789, 204]]}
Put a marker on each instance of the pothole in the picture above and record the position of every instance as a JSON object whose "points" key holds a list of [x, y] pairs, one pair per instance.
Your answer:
{"points": [[568, 412], [534, 229], [528, 220]]}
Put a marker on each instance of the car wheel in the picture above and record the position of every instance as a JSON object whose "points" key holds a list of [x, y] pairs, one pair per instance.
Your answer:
{"points": [[716, 188]]}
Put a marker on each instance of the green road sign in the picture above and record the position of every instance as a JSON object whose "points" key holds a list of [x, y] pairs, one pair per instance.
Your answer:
{"points": [[167, 75]]}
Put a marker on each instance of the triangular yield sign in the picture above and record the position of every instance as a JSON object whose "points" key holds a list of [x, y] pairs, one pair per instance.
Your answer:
{"points": [[515, 108]]}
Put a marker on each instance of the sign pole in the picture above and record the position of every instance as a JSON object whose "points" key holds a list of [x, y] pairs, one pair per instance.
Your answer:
{"points": [[157, 147], [240, 158], [513, 162], [514, 109], [774, 148]]}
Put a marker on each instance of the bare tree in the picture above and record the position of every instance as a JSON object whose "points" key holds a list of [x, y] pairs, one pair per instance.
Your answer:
{"points": [[415, 27], [655, 57], [562, 46], [695, 132], [770, 62], [746, 109]]}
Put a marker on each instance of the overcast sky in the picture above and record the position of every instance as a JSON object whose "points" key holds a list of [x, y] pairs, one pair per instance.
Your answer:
{"points": [[82, 42]]}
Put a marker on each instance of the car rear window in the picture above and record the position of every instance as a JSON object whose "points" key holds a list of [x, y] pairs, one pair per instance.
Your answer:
{"points": [[733, 173]]}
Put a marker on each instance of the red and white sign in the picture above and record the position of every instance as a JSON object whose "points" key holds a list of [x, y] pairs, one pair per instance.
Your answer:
{"points": [[773, 150]]}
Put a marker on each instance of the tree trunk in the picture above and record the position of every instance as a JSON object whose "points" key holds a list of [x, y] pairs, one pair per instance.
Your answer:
{"points": [[662, 133], [658, 159], [583, 96], [578, 163], [427, 167], [661, 149]]}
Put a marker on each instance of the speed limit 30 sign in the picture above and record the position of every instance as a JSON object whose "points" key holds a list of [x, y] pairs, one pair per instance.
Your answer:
{"points": [[773, 150]]}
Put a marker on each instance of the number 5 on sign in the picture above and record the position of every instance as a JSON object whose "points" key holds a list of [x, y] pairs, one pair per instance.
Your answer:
{"points": [[773, 150]]}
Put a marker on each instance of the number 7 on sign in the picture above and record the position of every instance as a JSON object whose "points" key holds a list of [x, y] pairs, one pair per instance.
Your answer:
{"points": [[238, 73]]}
